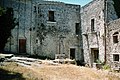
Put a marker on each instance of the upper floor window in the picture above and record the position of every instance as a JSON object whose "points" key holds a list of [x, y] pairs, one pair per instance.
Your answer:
{"points": [[115, 57], [77, 30], [51, 16], [115, 37], [38, 10], [92, 25], [35, 9]]}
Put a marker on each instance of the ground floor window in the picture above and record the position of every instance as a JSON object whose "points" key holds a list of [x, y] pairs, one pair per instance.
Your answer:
{"points": [[115, 57]]}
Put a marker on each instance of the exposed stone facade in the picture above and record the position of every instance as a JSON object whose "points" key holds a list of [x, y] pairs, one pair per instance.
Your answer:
{"points": [[94, 18], [113, 44], [63, 33], [93, 39], [31, 14], [23, 14]]}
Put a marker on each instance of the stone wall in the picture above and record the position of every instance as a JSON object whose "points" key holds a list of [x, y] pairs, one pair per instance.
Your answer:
{"points": [[65, 15], [111, 13], [102, 12], [23, 14], [93, 39], [113, 48]]}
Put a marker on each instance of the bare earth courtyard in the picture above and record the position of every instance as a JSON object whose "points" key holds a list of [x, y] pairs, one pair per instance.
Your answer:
{"points": [[47, 71]]}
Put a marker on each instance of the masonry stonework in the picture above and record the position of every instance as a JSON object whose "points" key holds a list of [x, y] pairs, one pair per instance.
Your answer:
{"points": [[31, 14], [49, 28], [94, 18], [113, 47], [93, 40]]}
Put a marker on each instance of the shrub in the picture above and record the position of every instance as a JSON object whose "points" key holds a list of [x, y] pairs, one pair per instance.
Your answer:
{"points": [[106, 67]]}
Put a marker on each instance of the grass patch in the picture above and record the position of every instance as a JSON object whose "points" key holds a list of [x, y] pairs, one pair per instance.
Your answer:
{"points": [[13, 71], [106, 67]]}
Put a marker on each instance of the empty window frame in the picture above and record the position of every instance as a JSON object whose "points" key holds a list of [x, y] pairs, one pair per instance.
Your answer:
{"points": [[115, 37], [51, 16], [115, 57], [92, 25], [35, 9], [77, 30], [38, 10]]}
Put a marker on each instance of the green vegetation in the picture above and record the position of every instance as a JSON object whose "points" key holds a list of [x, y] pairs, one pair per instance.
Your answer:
{"points": [[53, 72], [106, 67], [2, 11], [7, 23]]}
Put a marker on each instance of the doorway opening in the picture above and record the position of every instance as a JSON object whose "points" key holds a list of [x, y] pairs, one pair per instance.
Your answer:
{"points": [[72, 53], [95, 54], [22, 45]]}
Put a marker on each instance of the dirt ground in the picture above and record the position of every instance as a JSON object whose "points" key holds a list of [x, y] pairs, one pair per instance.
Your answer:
{"points": [[54, 72]]}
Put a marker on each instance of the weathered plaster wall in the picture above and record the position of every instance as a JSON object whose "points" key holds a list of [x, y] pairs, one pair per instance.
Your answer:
{"points": [[66, 15], [22, 13]]}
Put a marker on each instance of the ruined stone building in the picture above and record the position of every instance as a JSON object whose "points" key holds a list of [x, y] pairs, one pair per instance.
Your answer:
{"points": [[100, 30], [46, 28], [53, 29], [113, 45]]}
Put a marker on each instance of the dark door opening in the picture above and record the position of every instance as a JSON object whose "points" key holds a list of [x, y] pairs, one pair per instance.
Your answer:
{"points": [[72, 53], [22, 45], [95, 55]]}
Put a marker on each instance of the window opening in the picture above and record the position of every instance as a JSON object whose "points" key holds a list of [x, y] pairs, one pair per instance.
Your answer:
{"points": [[92, 24], [51, 15], [115, 57], [115, 37], [77, 30]]}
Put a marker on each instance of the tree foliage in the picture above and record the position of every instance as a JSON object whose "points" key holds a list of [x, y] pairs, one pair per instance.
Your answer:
{"points": [[2, 10], [7, 23]]}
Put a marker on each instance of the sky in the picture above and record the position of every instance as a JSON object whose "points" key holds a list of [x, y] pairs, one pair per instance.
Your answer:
{"points": [[80, 2]]}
